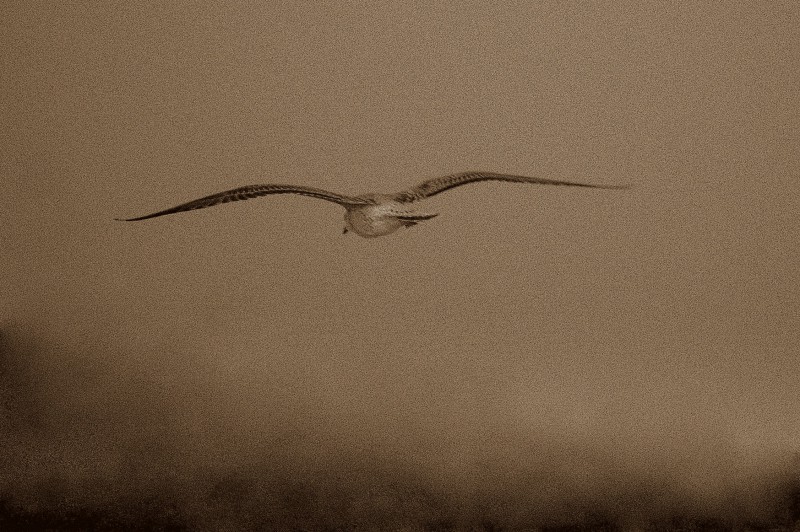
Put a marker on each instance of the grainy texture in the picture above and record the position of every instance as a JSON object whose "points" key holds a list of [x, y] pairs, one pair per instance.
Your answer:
{"points": [[533, 356]]}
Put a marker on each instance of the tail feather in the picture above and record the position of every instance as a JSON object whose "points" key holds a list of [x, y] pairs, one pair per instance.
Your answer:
{"points": [[416, 217], [410, 220]]}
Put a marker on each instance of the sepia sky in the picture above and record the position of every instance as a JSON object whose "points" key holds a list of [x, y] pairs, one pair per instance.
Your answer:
{"points": [[530, 351]]}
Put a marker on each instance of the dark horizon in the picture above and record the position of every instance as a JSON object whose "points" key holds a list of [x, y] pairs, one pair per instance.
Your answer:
{"points": [[86, 453]]}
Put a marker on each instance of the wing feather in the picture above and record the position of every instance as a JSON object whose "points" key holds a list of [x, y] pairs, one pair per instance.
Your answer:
{"points": [[437, 185], [249, 192]]}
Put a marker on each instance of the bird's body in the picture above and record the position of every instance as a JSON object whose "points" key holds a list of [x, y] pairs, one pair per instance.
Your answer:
{"points": [[369, 215], [381, 216]]}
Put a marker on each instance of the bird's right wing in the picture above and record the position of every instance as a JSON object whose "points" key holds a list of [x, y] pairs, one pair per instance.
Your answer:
{"points": [[249, 192]]}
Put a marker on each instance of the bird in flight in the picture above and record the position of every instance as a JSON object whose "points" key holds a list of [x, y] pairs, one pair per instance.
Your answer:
{"points": [[368, 215]]}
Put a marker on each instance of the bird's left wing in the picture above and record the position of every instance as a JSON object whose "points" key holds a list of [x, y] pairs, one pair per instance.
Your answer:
{"points": [[248, 192], [437, 185]]}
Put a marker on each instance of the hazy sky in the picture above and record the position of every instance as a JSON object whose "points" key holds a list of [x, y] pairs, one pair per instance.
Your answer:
{"points": [[530, 345]]}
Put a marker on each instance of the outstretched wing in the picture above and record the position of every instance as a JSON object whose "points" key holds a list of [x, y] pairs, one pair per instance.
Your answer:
{"points": [[248, 192], [434, 186]]}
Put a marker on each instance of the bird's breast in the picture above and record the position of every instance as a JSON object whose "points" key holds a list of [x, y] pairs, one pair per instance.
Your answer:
{"points": [[372, 220]]}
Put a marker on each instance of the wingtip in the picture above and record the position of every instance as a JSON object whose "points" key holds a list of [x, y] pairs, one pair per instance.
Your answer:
{"points": [[131, 219], [134, 219]]}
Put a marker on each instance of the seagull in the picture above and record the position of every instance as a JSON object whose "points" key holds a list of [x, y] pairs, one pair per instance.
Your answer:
{"points": [[368, 215]]}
